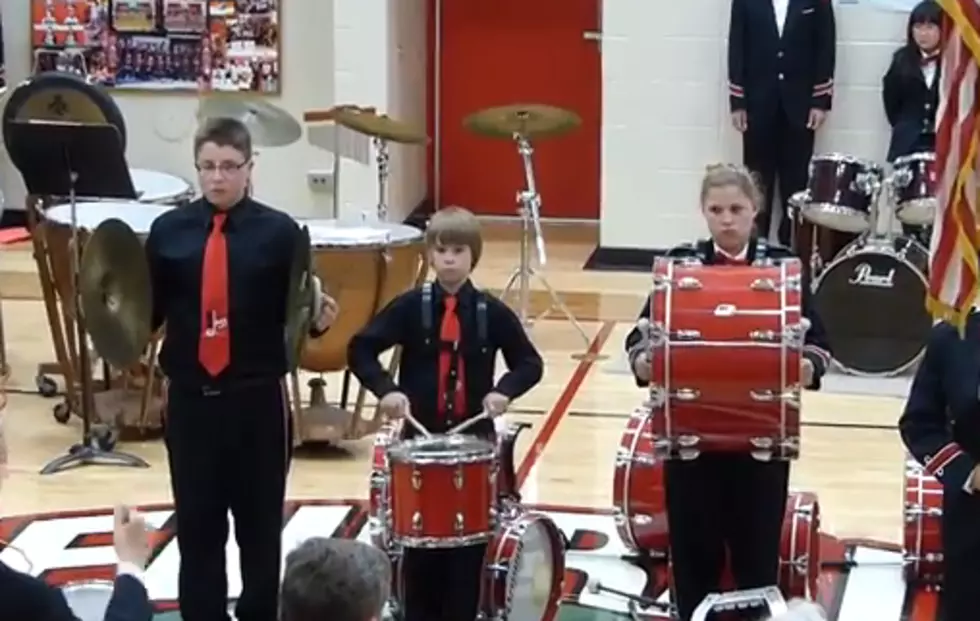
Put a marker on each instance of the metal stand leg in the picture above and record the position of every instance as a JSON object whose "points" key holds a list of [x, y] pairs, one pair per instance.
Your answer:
{"points": [[383, 159], [529, 211]]}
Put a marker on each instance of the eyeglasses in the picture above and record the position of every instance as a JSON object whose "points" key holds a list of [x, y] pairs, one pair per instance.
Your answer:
{"points": [[223, 168]]}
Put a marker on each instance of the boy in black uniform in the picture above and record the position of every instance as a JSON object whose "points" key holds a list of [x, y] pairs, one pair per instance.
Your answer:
{"points": [[719, 500], [450, 333], [781, 57], [941, 429]]}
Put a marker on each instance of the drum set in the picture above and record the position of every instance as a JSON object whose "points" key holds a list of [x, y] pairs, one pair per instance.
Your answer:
{"points": [[452, 491], [868, 284]]}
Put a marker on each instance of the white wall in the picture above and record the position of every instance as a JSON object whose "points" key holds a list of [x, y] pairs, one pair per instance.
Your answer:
{"points": [[665, 109], [366, 52]]}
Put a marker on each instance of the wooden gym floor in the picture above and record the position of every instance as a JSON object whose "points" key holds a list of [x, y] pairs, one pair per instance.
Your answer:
{"points": [[852, 455]]}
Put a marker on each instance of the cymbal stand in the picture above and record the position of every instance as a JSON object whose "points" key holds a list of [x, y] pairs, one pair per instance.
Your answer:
{"points": [[381, 146], [530, 212], [91, 450]]}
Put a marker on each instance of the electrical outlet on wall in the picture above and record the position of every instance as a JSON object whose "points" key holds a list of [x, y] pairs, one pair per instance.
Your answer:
{"points": [[320, 181]]}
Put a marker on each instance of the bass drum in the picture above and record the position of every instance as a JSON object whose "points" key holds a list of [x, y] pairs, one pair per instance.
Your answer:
{"points": [[871, 301]]}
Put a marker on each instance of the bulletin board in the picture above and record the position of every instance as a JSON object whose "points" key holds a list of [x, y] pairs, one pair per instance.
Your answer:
{"points": [[161, 45]]}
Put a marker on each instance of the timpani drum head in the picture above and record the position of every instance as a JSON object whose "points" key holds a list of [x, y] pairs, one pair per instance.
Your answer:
{"points": [[339, 234], [139, 216], [157, 187], [61, 97], [88, 600]]}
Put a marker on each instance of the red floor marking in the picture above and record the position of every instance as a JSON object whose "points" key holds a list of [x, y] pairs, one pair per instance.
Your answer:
{"points": [[561, 406]]}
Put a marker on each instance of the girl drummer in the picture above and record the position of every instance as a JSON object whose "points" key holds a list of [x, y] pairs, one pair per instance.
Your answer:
{"points": [[732, 501], [450, 333]]}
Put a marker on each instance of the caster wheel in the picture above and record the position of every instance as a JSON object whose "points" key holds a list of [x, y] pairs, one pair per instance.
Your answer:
{"points": [[104, 437], [62, 413], [46, 386]]}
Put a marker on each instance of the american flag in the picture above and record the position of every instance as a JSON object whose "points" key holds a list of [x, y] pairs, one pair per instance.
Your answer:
{"points": [[954, 275]]}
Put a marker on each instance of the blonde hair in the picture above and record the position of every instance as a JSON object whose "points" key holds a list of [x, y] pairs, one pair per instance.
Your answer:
{"points": [[723, 175], [455, 226]]}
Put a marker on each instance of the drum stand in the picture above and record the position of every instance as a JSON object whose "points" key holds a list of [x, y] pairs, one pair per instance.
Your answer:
{"points": [[530, 213], [97, 146], [381, 145]]}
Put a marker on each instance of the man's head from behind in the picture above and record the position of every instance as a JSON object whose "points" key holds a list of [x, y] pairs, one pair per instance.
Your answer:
{"points": [[336, 579]]}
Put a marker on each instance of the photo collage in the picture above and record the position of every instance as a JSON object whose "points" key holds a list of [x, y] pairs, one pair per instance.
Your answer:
{"points": [[161, 45]]}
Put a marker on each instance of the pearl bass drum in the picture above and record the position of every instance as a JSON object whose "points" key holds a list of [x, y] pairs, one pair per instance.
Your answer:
{"points": [[870, 300]]}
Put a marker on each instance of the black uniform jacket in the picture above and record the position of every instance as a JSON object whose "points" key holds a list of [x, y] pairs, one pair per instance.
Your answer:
{"points": [[794, 71], [941, 421], [401, 323], [910, 104], [26, 598], [260, 242], [816, 348]]}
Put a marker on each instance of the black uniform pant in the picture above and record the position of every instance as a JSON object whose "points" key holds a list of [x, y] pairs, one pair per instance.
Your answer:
{"points": [[442, 585], [229, 452], [776, 148], [720, 505], [961, 554]]}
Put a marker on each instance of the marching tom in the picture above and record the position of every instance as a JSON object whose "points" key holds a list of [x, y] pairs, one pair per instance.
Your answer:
{"points": [[639, 498], [922, 543], [799, 558], [914, 184], [841, 191]]}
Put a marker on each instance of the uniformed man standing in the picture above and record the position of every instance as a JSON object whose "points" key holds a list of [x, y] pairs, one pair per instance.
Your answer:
{"points": [[781, 57]]}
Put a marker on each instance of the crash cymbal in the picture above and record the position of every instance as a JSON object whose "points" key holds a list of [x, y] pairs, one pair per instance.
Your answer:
{"points": [[300, 299], [64, 97], [528, 120], [269, 125], [368, 121], [117, 300]]}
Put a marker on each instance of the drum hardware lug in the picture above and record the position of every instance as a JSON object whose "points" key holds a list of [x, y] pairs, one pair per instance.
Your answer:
{"points": [[660, 283], [687, 440], [417, 522], [458, 478], [901, 178], [725, 310], [416, 480], [687, 335], [459, 524], [657, 399], [768, 336], [689, 283], [688, 454], [790, 448], [764, 284], [686, 394]]}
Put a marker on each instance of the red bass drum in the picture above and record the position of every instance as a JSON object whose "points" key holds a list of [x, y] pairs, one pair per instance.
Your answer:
{"points": [[922, 548], [525, 567], [639, 499], [727, 345]]}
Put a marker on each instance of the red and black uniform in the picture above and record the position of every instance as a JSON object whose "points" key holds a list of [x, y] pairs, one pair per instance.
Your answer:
{"points": [[728, 501], [449, 346]]}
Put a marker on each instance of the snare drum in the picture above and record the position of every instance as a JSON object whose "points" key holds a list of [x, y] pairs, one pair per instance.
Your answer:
{"points": [[922, 548], [525, 567], [378, 490], [703, 318], [869, 300], [914, 184], [799, 557], [88, 600], [157, 187], [639, 497], [841, 191], [443, 491], [363, 267]]}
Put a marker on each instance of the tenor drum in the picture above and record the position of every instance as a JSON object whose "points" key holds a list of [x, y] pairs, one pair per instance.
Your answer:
{"points": [[363, 267], [922, 548], [870, 301], [157, 187], [799, 557], [914, 184], [88, 600], [705, 317], [443, 491], [525, 566], [841, 191], [639, 498], [378, 485]]}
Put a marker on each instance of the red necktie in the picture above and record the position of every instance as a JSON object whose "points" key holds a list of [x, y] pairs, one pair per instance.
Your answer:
{"points": [[214, 348], [452, 392]]}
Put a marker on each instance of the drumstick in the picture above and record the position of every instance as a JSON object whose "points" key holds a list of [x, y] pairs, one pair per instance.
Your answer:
{"points": [[419, 426], [466, 424]]}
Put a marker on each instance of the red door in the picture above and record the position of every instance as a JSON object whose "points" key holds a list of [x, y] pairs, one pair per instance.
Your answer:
{"points": [[503, 52]]}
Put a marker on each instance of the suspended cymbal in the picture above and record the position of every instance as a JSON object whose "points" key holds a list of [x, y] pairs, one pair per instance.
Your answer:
{"points": [[64, 97], [368, 121], [300, 299], [269, 125], [117, 300], [528, 120]]}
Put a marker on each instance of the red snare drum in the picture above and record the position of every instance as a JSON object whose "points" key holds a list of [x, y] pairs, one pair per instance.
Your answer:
{"points": [[378, 500], [525, 567], [638, 489], [443, 491], [727, 346], [799, 554], [922, 548]]}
